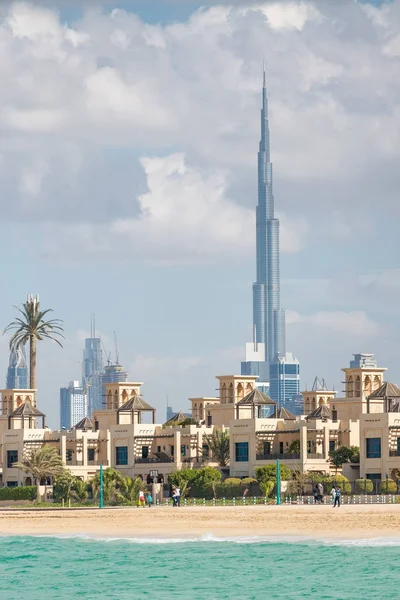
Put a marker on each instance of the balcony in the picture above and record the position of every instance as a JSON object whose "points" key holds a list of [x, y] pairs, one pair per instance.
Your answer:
{"points": [[153, 460], [274, 456], [394, 452], [318, 456]]}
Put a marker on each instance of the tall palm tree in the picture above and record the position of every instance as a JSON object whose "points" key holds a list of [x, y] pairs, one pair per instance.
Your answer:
{"points": [[32, 327], [218, 443], [42, 463]]}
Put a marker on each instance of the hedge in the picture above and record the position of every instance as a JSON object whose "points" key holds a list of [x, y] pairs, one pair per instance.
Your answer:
{"points": [[342, 482], [27, 492]]}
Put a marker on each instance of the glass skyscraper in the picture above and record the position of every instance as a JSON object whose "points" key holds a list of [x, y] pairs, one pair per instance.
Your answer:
{"points": [[73, 405], [269, 359], [17, 372], [92, 373]]}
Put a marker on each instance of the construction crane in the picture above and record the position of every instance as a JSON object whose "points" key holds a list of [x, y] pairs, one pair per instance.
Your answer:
{"points": [[116, 349], [107, 354]]}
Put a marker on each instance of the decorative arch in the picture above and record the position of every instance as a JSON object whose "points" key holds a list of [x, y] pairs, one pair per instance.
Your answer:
{"points": [[367, 385], [124, 396], [358, 386], [239, 391], [230, 393], [249, 388], [377, 382], [350, 386], [307, 406], [223, 393], [313, 404], [321, 401], [116, 398], [19, 401]]}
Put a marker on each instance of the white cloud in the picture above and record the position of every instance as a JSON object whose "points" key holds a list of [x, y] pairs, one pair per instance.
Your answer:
{"points": [[290, 15], [353, 323], [386, 280]]}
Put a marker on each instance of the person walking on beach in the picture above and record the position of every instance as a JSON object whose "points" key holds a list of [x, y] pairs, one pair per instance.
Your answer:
{"points": [[178, 497], [141, 498], [333, 493], [174, 496], [320, 492], [337, 497], [149, 500]]}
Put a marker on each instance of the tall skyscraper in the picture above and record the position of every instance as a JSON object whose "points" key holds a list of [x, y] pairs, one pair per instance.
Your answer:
{"points": [[92, 370], [267, 354], [73, 404], [285, 382], [114, 374], [17, 372]]}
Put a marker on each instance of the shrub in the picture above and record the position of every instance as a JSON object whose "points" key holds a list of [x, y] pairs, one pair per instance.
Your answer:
{"points": [[268, 472], [364, 486], [388, 486], [251, 485], [342, 482], [230, 488], [27, 492]]}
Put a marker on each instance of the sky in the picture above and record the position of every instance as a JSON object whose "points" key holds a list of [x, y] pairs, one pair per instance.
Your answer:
{"points": [[128, 182]]}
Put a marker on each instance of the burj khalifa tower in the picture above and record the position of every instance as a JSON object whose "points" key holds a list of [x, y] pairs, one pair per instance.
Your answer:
{"points": [[268, 317], [266, 356]]}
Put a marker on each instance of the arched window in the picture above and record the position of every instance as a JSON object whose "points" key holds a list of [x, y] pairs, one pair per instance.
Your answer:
{"points": [[195, 410], [350, 387], [249, 388], [377, 382], [367, 385], [240, 392], [358, 386], [223, 393], [124, 396], [109, 404], [321, 401], [116, 399], [19, 401], [307, 407], [201, 412], [313, 404], [230, 393]]}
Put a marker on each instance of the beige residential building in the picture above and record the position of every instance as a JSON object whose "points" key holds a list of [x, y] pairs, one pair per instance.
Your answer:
{"points": [[124, 435]]}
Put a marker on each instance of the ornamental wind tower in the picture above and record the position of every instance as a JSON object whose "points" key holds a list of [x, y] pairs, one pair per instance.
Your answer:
{"points": [[268, 317]]}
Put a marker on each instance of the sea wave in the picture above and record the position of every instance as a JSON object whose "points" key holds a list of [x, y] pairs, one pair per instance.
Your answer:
{"points": [[209, 537]]}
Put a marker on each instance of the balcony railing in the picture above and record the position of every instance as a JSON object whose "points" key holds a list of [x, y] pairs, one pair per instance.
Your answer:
{"points": [[154, 459], [394, 452], [315, 456], [274, 456]]}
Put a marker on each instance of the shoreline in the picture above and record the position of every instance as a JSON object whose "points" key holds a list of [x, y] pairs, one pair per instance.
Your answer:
{"points": [[273, 523]]}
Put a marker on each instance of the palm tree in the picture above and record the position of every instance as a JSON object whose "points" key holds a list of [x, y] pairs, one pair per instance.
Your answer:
{"points": [[130, 489], [33, 327], [112, 483], [45, 462], [218, 443]]}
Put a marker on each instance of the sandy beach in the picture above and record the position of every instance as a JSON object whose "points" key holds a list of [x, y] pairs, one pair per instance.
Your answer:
{"points": [[350, 521]]}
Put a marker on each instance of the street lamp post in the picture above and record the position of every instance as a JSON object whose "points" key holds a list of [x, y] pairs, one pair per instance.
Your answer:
{"points": [[278, 481], [101, 503]]}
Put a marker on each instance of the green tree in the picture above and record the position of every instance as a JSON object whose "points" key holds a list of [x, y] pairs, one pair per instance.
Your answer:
{"points": [[344, 454], [218, 442], [33, 327], [41, 464], [62, 485], [207, 479], [268, 472], [79, 491], [112, 482], [388, 486], [128, 490], [294, 447], [183, 479]]}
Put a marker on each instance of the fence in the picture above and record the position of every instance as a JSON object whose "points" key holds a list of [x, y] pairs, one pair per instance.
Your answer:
{"points": [[285, 500]]}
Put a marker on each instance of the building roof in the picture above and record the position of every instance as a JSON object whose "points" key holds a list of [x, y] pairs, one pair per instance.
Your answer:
{"points": [[177, 418], [26, 410], [284, 413], [84, 424], [386, 390], [255, 398], [135, 403], [322, 412]]}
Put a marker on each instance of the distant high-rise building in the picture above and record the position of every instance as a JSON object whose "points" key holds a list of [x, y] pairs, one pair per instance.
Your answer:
{"points": [[92, 371], [73, 404], [17, 372], [114, 374], [285, 381], [269, 337]]}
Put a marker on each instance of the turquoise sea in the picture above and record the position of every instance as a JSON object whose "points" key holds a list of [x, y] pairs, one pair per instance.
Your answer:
{"points": [[40, 568]]}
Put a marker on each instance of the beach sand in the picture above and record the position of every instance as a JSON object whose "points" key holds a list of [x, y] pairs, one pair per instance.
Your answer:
{"points": [[350, 521]]}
